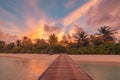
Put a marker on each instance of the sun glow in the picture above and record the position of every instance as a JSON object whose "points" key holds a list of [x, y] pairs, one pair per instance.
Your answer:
{"points": [[40, 33]]}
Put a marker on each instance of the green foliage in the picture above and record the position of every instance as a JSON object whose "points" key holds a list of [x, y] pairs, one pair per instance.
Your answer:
{"points": [[104, 43], [100, 49], [53, 40], [81, 38], [71, 50], [106, 33], [58, 49]]}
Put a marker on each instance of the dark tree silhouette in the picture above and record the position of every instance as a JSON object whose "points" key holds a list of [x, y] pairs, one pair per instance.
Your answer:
{"points": [[107, 33], [18, 43], [53, 39], [81, 38]]}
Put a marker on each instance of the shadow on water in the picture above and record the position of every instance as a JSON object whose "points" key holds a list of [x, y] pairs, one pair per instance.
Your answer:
{"points": [[20, 68]]}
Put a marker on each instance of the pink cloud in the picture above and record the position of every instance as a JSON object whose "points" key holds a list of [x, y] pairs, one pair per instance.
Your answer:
{"points": [[70, 3], [7, 37], [97, 13], [105, 12], [1, 23], [78, 13], [5, 13]]}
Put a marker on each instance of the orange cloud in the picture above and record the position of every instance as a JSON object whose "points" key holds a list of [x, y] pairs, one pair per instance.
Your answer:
{"points": [[43, 30], [34, 20], [39, 31], [118, 34]]}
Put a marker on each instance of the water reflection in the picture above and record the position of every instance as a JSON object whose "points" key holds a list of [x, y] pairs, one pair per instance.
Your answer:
{"points": [[21, 69], [103, 71]]}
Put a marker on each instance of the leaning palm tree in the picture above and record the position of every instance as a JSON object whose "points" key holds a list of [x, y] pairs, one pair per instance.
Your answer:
{"points": [[107, 33], [53, 39], [81, 38]]}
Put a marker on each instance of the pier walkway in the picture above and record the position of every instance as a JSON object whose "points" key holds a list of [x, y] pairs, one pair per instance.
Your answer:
{"points": [[64, 68]]}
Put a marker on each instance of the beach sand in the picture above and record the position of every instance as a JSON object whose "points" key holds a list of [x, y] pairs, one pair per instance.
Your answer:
{"points": [[96, 58]]}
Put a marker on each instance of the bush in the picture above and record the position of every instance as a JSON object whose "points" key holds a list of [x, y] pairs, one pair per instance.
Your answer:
{"points": [[58, 49]]}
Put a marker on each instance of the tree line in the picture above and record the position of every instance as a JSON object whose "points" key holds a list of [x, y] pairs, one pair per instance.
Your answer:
{"points": [[103, 42]]}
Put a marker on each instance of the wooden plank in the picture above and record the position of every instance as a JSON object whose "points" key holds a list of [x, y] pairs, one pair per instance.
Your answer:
{"points": [[64, 68]]}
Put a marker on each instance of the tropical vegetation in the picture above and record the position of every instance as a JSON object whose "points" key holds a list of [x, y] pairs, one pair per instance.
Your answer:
{"points": [[103, 42]]}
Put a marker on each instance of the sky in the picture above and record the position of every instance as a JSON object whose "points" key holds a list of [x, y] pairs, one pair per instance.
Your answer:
{"points": [[40, 18]]}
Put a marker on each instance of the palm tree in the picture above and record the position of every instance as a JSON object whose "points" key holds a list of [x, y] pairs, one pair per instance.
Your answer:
{"points": [[53, 39], [10, 45], [69, 38], [2, 44], [81, 38], [64, 41], [18, 43], [40, 42], [94, 40], [25, 39], [106, 33]]}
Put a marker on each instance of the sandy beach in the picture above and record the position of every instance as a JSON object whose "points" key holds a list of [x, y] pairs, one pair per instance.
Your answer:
{"points": [[96, 58], [76, 58]]}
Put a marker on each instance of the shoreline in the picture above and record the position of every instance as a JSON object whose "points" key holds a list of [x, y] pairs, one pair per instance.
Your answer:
{"points": [[76, 58], [96, 58]]}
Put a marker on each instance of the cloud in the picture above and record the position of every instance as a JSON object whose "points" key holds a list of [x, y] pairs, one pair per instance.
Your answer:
{"points": [[11, 23], [32, 19], [43, 31], [94, 14], [1, 23], [51, 29], [117, 35], [75, 30], [29, 21], [78, 13], [70, 3], [105, 12], [33, 2], [7, 37]]}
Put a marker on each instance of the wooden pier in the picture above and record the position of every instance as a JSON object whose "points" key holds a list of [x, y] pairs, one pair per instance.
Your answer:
{"points": [[64, 68]]}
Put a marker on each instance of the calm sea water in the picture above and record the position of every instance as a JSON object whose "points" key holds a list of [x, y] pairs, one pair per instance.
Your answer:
{"points": [[31, 69], [103, 71], [20, 69]]}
